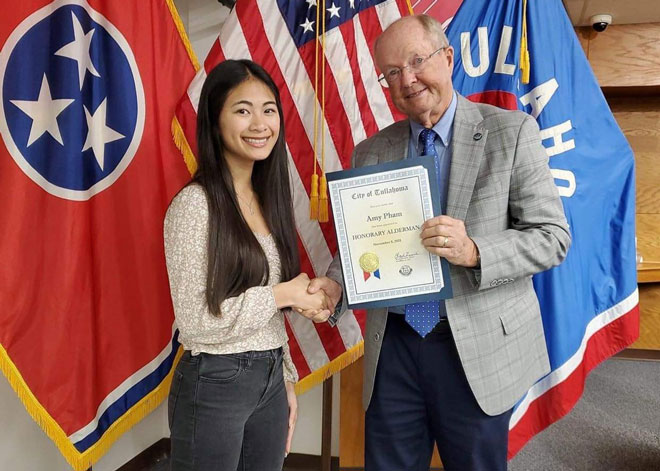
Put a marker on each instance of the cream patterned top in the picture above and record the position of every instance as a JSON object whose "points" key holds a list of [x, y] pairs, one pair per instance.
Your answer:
{"points": [[249, 321]]}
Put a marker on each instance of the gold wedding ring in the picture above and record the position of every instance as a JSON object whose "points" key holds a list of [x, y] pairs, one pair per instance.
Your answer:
{"points": [[444, 242]]}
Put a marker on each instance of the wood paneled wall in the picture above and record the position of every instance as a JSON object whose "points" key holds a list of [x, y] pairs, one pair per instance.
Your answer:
{"points": [[626, 61], [639, 119], [624, 55]]}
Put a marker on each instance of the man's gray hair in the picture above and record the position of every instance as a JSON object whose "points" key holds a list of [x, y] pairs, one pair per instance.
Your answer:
{"points": [[432, 27]]}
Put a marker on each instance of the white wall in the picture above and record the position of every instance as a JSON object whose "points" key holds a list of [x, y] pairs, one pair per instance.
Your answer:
{"points": [[24, 446], [202, 19]]}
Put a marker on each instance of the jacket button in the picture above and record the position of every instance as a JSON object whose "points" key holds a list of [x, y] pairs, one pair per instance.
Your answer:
{"points": [[477, 136], [376, 337]]}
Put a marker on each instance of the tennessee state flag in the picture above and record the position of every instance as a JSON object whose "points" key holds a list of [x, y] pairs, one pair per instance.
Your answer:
{"points": [[87, 170]]}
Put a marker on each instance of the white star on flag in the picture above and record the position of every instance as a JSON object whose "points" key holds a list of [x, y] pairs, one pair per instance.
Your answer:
{"points": [[98, 134], [78, 50], [43, 112], [307, 25], [334, 10], [312, 3]]}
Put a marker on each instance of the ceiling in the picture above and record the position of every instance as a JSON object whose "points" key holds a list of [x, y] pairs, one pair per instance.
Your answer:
{"points": [[623, 12]]}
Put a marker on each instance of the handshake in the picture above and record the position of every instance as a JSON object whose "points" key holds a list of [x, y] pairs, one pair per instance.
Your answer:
{"points": [[315, 299]]}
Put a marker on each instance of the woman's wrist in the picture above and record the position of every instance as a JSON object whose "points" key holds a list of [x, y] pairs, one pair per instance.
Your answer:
{"points": [[282, 295]]}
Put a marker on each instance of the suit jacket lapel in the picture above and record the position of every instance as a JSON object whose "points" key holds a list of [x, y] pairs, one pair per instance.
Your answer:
{"points": [[398, 136], [467, 150]]}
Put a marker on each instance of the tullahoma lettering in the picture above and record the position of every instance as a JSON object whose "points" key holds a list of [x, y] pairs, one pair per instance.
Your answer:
{"points": [[396, 230], [379, 192], [393, 189]]}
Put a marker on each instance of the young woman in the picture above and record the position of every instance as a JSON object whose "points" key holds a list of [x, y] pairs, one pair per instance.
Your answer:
{"points": [[232, 260]]}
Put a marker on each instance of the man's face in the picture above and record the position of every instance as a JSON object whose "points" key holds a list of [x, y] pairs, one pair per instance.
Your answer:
{"points": [[423, 96]]}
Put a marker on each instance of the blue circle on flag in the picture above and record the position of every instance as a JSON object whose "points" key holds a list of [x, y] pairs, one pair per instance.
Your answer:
{"points": [[72, 107]]}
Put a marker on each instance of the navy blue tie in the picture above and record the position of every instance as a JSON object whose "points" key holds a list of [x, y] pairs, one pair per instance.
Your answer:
{"points": [[424, 316]]}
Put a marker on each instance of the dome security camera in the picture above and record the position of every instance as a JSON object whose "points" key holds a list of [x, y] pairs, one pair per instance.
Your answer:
{"points": [[600, 22]]}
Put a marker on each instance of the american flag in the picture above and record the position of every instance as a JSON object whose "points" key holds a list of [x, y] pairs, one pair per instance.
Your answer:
{"points": [[281, 36]]}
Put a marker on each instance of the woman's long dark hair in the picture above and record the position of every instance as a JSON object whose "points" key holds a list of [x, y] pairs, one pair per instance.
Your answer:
{"points": [[236, 261]]}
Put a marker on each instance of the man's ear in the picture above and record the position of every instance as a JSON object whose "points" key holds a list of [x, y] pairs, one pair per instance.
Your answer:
{"points": [[450, 57]]}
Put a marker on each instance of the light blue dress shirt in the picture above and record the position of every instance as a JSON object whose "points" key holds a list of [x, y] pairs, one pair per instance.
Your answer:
{"points": [[443, 129]]}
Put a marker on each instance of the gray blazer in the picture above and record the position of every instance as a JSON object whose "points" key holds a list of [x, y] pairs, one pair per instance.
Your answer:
{"points": [[501, 186]]}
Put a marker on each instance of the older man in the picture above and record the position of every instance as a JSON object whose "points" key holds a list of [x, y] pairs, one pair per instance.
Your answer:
{"points": [[455, 383]]}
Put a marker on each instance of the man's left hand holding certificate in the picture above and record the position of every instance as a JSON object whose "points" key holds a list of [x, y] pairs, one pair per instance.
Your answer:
{"points": [[378, 213]]}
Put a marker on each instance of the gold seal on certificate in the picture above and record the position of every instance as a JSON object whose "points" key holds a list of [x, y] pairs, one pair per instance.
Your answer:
{"points": [[379, 212], [369, 264]]}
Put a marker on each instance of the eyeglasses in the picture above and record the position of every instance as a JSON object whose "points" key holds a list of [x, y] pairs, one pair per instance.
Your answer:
{"points": [[416, 65]]}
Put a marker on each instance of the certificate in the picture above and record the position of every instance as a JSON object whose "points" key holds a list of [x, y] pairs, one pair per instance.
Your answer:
{"points": [[378, 214]]}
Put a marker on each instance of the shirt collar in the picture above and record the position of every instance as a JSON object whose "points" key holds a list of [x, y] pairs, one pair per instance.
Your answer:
{"points": [[442, 127]]}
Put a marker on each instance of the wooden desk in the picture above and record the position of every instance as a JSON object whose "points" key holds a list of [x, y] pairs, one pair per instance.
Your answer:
{"points": [[648, 272]]}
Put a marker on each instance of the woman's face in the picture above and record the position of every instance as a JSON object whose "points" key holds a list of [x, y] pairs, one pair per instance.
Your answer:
{"points": [[249, 123]]}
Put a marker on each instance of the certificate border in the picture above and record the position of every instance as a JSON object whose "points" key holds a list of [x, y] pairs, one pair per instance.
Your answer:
{"points": [[417, 293]]}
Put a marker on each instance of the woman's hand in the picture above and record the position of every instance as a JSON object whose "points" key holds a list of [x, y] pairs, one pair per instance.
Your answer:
{"points": [[293, 414], [332, 291], [294, 293]]}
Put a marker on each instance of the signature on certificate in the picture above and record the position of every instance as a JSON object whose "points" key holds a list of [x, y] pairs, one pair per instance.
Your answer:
{"points": [[405, 256]]}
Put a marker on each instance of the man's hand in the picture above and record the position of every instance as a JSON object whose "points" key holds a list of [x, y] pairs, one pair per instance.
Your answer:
{"points": [[332, 291], [294, 293], [446, 237]]}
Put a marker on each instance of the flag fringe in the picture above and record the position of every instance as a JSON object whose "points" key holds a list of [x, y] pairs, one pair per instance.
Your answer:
{"points": [[35, 409], [182, 33], [181, 143], [82, 461], [323, 373], [178, 135]]}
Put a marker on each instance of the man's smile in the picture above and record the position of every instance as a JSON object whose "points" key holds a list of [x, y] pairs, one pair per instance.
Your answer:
{"points": [[415, 94]]}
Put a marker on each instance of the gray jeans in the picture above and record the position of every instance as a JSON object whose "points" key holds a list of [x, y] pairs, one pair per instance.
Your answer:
{"points": [[228, 412]]}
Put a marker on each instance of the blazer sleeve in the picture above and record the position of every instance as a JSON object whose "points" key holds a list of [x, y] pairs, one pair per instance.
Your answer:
{"points": [[538, 236]]}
